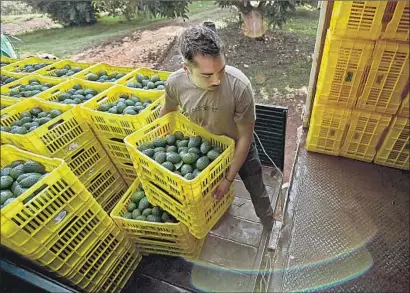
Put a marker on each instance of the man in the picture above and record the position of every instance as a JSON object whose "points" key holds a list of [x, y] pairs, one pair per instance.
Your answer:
{"points": [[219, 97]]}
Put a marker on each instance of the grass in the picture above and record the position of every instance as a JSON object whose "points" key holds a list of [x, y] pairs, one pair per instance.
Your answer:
{"points": [[19, 18], [303, 21], [64, 42]]}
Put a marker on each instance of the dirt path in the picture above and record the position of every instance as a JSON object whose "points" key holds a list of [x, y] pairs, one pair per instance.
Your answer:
{"points": [[27, 25], [146, 47]]}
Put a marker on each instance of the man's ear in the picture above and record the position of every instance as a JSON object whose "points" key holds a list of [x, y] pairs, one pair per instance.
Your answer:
{"points": [[185, 67]]}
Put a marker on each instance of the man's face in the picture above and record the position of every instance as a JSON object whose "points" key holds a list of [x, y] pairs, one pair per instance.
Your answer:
{"points": [[207, 72]]}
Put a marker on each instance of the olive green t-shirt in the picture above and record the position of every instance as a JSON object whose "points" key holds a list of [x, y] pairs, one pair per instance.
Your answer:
{"points": [[218, 110]]}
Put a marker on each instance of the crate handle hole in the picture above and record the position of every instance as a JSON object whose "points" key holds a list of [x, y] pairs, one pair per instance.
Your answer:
{"points": [[55, 124], [102, 99]]}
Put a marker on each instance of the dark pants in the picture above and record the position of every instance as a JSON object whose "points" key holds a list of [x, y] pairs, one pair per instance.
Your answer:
{"points": [[251, 175]]}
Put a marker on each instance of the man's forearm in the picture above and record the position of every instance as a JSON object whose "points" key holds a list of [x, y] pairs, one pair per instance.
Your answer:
{"points": [[241, 152]]}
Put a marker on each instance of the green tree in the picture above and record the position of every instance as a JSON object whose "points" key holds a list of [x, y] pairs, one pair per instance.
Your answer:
{"points": [[67, 13], [259, 15], [156, 8]]}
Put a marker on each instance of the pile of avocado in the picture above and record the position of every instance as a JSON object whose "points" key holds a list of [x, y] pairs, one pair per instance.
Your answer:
{"points": [[17, 178], [103, 76], [7, 79], [31, 67], [76, 95], [147, 83], [183, 155], [126, 104], [31, 120], [67, 71], [4, 63], [33, 88], [140, 209]]}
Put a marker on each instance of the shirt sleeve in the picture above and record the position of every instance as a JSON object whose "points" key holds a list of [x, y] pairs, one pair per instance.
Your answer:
{"points": [[245, 111], [171, 98]]}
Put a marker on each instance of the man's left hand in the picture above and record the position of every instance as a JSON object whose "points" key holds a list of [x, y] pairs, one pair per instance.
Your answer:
{"points": [[222, 189]]}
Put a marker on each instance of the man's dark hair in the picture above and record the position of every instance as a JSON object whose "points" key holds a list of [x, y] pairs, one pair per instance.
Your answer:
{"points": [[199, 40]]}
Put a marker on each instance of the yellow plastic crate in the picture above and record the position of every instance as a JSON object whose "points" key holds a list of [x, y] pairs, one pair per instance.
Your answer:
{"points": [[10, 74], [51, 69], [87, 160], [395, 149], [106, 67], [388, 76], [5, 89], [126, 169], [404, 110], [131, 77], [186, 191], [358, 19], [94, 265], [6, 102], [105, 183], [63, 251], [163, 238], [199, 218], [120, 125], [115, 148], [364, 134], [56, 138], [326, 129], [19, 65], [398, 12], [52, 94], [115, 196], [26, 227], [121, 271], [5, 59], [341, 71]]}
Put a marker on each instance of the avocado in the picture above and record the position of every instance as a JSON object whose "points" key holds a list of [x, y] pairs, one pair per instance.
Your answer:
{"points": [[174, 158], [212, 155], [156, 211], [136, 213], [131, 206], [160, 157], [171, 138], [165, 217], [172, 149], [159, 142], [6, 171], [146, 212], [5, 195], [34, 167], [189, 176], [146, 146], [179, 135], [152, 218], [92, 77], [189, 158], [30, 181], [205, 147], [6, 182], [141, 218], [149, 152], [137, 196], [185, 169], [159, 149], [17, 171], [127, 215], [202, 163], [54, 113], [195, 142], [143, 204], [194, 150], [169, 166]]}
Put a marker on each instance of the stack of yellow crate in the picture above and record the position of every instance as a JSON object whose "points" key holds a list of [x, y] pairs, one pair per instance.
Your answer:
{"points": [[360, 109], [57, 224], [111, 129]]}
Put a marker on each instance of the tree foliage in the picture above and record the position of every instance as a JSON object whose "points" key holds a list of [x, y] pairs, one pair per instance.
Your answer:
{"points": [[156, 8], [67, 13], [274, 12]]}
